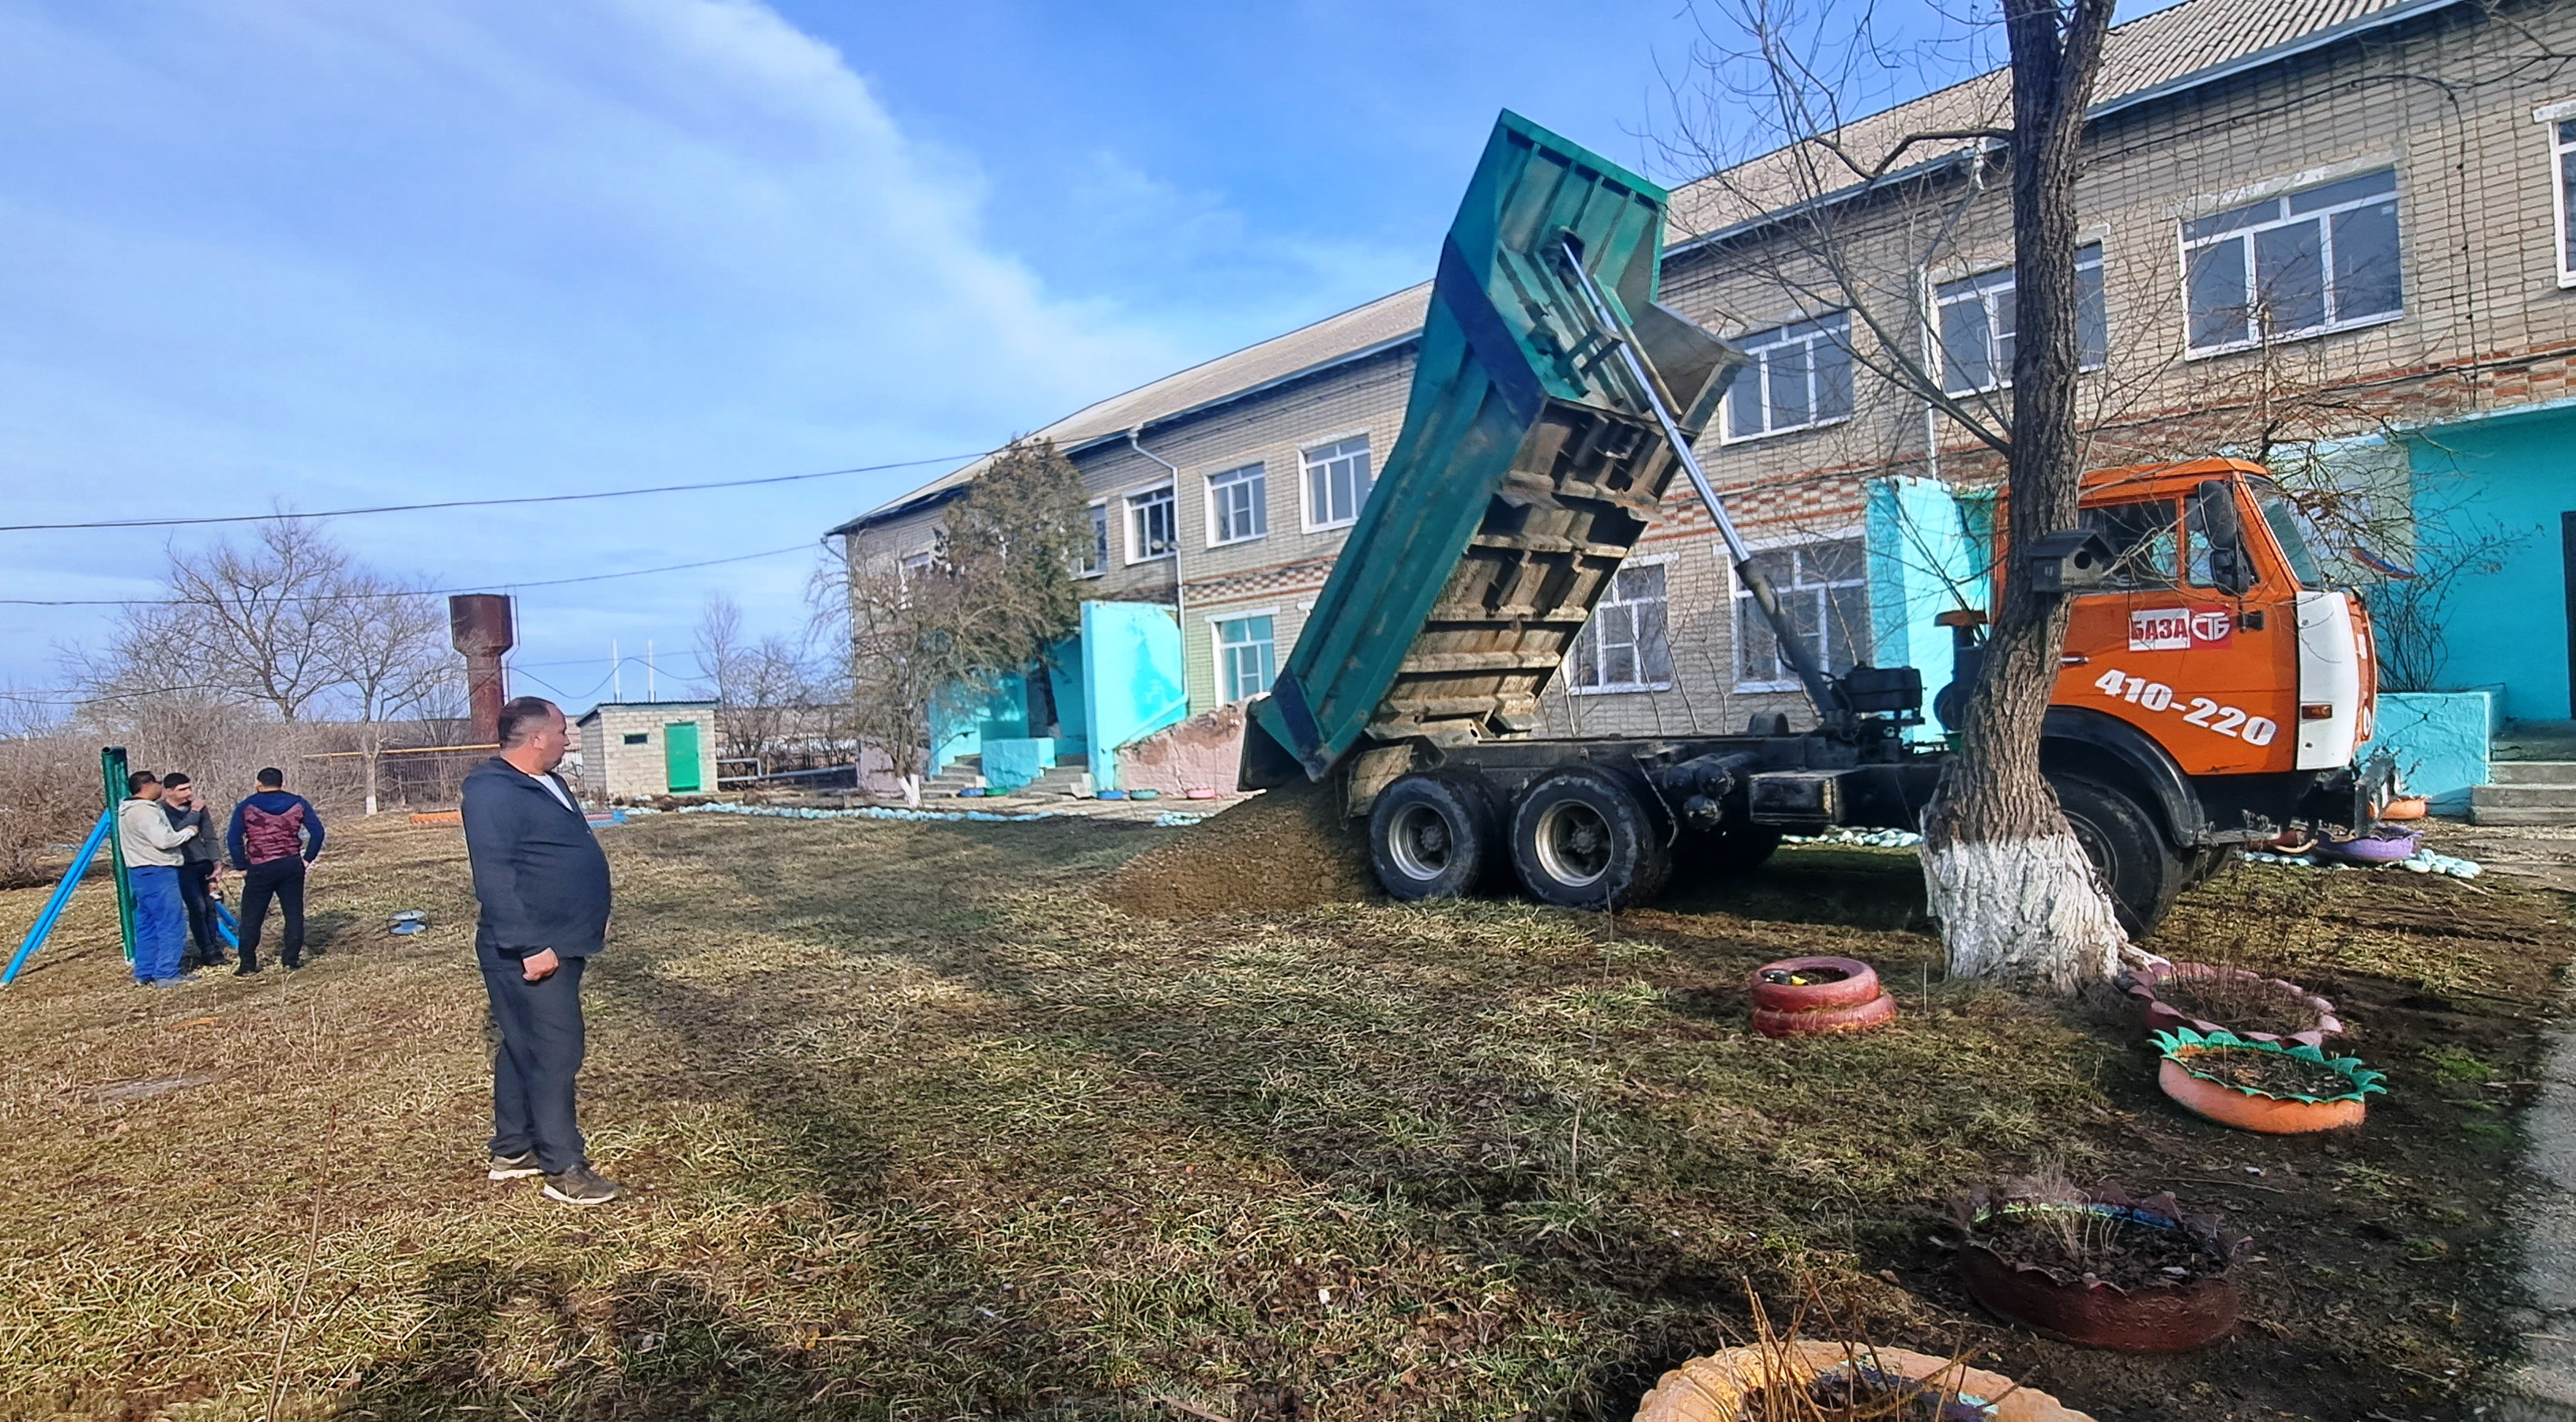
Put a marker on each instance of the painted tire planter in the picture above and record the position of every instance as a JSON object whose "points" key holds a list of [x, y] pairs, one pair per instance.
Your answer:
{"points": [[2248, 1109], [2146, 987], [1877, 1012], [1814, 984], [1715, 1388], [2161, 1316], [2406, 807]]}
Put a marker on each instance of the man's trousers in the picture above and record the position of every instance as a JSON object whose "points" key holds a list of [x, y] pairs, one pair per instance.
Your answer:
{"points": [[541, 1047], [282, 880], [160, 922]]}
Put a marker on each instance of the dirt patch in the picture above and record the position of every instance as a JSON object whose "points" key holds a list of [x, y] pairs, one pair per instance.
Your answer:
{"points": [[1287, 849], [2242, 1004], [2075, 1242], [2270, 1073]]}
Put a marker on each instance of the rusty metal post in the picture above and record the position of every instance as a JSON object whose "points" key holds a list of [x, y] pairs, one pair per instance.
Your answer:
{"points": [[482, 627]]}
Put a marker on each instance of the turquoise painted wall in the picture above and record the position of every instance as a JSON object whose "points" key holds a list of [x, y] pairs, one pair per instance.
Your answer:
{"points": [[2440, 741], [1922, 562], [1132, 681], [2507, 628], [1014, 762], [1065, 679], [1001, 713]]}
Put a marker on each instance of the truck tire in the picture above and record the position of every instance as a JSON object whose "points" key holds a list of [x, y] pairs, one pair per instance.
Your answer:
{"points": [[1582, 839], [2142, 871], [1433, 836]]}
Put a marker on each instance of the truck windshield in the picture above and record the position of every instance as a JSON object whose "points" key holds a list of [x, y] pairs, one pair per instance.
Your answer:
{"points": [[2282, 517]]}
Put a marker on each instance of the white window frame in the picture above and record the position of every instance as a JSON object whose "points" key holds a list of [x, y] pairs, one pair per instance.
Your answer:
{"points": [[2322, 219], [1217, 648], [1256, 473], [1097, 513], [1665, 561], [1309, 515], [1132, 506], [1740, 609], [2562, 155], [1987, 284], [1831, 328]]}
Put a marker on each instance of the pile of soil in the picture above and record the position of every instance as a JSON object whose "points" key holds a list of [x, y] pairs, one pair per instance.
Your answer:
{"points": [[2242, 1004], [2113, 1248], [2272, 1073], [1280, 851]]}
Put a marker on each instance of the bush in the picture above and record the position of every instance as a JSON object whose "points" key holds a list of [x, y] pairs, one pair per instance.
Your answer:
{"points": [[49, 795]]}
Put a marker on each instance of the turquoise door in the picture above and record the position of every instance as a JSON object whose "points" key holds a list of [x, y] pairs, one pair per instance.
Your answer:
{"points": [[680, 757]]}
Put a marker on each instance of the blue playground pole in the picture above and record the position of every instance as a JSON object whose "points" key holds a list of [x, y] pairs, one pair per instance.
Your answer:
{"points": [[226, 928], [44, 923]]}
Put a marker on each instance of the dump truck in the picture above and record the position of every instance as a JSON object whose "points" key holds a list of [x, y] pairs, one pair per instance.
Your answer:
{"points": [[2214, 688]]}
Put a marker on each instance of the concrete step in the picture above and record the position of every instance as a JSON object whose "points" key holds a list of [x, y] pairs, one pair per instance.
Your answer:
{"points": [[2524, 797], [2484, 815], [2532, 772]]}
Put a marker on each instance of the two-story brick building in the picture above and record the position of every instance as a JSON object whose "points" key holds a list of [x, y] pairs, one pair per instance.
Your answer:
{"points": [[2333, 233]]}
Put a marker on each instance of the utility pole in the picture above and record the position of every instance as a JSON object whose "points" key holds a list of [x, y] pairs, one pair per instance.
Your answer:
{"points": [[650, 694], [616, 673]]}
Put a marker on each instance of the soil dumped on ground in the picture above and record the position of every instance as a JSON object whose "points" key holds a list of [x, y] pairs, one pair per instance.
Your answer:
{"points": [[1281, 851], [2075, 1242]]}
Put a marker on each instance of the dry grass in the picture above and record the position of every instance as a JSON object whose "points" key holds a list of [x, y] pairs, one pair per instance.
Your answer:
{"points": [[921, 1130]]}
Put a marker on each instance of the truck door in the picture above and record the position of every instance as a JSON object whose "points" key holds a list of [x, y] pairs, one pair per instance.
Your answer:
{"points": [[2210, 676]]}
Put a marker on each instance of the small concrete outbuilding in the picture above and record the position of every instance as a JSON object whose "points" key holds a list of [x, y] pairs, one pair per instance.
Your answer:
{"points": [[635, 750]]}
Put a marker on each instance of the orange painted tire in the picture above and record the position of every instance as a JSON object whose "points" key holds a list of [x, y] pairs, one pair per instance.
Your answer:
{"points": [[1876, 1013], [1857, 986], [1714, 1388], [2406, 807], [2271, 1115]]}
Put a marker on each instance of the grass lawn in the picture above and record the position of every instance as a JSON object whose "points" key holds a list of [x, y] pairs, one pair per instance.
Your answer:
{"points": [[921, 1130]]}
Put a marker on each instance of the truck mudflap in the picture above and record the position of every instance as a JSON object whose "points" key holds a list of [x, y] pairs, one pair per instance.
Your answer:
{"points": [[1529, 465]]}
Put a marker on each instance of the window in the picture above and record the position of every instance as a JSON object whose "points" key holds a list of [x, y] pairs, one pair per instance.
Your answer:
{"points": [[1238, 504], [1246, 660], [1623, 647], [1337, 482], [1824, 589], [1978, 316], [1153, 527], [2288, 529], [1095, 558], [2301, 265], [637, 738], [916, 564], [1800, 377], [2562, 181], [2145, 549]]}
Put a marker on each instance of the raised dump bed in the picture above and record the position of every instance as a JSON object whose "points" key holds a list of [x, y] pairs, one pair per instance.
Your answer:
{"points": [[1530, 464]]}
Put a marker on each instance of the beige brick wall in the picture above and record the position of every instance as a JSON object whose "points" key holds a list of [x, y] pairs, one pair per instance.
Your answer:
{"points": [[612, 769]]}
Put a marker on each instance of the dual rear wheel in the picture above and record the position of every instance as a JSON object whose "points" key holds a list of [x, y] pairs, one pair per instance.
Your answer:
{"points": [[1581, 837]]}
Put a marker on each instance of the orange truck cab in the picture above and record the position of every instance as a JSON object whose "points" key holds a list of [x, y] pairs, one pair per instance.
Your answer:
{"points": [[2212, 679]]}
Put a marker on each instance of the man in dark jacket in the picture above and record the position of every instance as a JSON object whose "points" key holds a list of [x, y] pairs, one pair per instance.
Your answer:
{"points": [[272, 837], [542, 885], [201, 871]]}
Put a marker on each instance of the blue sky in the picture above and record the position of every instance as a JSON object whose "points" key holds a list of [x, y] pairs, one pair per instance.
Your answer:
{"points": [[328, 254]]}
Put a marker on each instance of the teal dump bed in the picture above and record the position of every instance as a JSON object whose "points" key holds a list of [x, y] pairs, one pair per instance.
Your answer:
{"points": [[1529, 466]]}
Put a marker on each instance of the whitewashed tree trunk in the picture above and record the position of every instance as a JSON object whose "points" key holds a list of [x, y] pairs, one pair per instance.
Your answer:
{"points": [[912, 792], [2026, 910]]}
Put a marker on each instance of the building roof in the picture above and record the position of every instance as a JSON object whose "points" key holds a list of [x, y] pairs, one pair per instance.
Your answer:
{"points": [[1354, 335], [2155, 56], [592, 714]]}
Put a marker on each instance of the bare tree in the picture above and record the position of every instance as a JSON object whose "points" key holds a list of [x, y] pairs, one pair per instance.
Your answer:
{"points": [[928, 640], [758, 686], [384, 648], [2016, 896], [253, 622]]}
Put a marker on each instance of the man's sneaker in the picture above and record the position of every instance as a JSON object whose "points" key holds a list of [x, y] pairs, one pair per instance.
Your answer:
{"points": [[515, 1167], [581, 1186], [245, 969]]}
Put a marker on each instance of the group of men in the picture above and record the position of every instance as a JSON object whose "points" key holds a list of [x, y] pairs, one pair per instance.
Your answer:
{"points": [[176, 864], [540, 882]]}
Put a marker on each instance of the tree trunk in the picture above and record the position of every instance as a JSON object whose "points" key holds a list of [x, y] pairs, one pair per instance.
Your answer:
{"points": [[375, 760], [2016, 897]]}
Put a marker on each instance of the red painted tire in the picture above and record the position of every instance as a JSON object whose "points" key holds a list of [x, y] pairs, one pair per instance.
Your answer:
{"points": [[1857, 987], [1877, 1013]]}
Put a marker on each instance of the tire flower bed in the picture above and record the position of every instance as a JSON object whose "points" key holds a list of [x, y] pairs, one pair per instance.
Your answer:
{"points": [[2097, 1267], [1807, 1379], [2263, 1086], [2206, 998], [1797, 996]]}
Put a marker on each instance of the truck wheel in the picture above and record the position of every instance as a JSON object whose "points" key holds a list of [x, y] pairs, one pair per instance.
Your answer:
{"points": [[2141, 870], [1582, 839], [1432, 836]]}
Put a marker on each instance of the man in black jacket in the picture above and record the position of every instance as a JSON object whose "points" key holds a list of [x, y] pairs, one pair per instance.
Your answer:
{"points": [[542, 884]]}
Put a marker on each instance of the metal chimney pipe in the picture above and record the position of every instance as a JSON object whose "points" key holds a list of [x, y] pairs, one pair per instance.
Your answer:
{"points": [[482, 626]]}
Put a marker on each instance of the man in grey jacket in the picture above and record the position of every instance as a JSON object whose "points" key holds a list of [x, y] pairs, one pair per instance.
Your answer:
{"points": [[542, 886], [201, 871]]}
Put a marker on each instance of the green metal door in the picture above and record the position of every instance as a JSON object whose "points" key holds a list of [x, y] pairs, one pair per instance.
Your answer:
{"points": [[680, 756]]}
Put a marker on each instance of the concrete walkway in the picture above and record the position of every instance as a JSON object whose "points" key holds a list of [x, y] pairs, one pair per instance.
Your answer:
{"points": [[2541, 1387]]}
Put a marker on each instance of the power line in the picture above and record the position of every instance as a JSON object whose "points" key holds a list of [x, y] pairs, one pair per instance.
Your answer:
{"points": [[486, 503], [407, 592]]}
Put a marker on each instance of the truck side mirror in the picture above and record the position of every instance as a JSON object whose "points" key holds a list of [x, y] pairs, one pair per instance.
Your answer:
{"points": [[2214, 520], [2070, 560]]}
